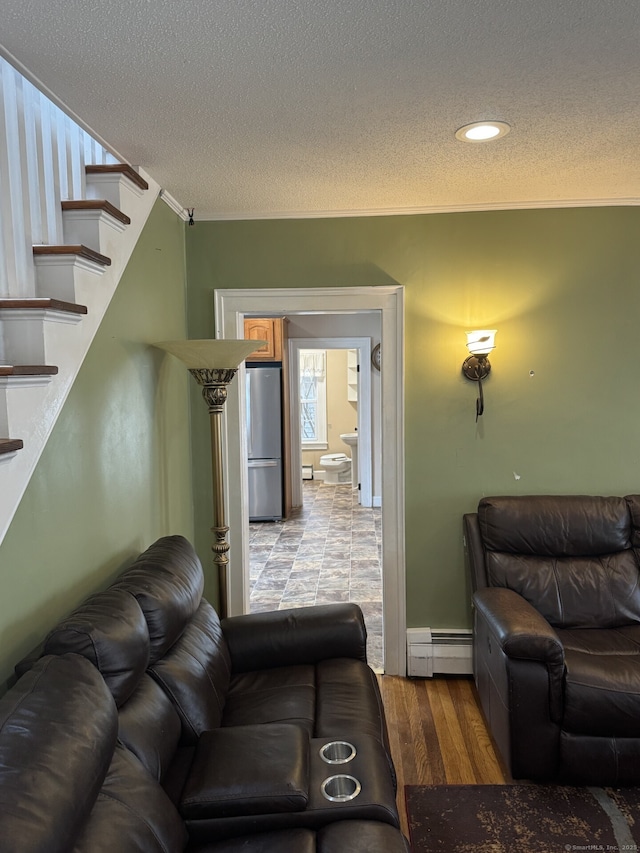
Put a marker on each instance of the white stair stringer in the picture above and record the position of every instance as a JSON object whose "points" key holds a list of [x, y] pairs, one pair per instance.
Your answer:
{"points": [[29, 407]]}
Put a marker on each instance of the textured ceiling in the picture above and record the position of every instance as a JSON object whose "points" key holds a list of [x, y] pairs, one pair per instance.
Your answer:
{"points": [[257, 108]]}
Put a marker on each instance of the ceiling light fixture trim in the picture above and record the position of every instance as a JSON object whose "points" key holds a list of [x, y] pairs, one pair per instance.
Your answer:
{"points": [[483, 131]]}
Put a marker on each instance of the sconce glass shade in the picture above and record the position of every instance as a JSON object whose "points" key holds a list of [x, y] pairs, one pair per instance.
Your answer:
{"points": [[211, 354], [481, 342]]}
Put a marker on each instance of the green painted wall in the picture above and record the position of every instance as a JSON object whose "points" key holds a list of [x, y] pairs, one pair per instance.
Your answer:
{"points": [[561, 287], [116, 472]]}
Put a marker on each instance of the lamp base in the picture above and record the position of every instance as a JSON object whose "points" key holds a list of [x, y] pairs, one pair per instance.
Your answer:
{"points": [[476, 367]]}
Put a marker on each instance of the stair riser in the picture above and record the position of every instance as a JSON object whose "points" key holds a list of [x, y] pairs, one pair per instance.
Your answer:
{"points": [[94, 228], [34, 337], [67, 277], [116, 189]]}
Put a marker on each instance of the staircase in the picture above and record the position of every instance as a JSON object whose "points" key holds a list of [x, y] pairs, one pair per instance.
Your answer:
{"points": [[70, 217]]}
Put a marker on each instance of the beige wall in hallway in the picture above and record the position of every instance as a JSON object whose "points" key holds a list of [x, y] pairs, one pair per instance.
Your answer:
{"points": [[342, 415]]}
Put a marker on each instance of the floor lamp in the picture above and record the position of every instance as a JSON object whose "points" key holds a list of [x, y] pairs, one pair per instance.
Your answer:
{"points": [[213, 364]]}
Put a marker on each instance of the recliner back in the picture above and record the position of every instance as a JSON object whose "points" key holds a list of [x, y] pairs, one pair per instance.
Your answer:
{"points": [[571, 557]]}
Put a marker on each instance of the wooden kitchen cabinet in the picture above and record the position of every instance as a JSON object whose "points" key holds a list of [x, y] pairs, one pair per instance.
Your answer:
{"points": [[269, 329]]}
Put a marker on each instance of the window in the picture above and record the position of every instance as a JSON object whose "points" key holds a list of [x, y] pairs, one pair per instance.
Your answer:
{"points": [[313, 399]]}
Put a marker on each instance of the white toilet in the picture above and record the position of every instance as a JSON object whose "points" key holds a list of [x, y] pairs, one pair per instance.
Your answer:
{"points": [[336, 467]]}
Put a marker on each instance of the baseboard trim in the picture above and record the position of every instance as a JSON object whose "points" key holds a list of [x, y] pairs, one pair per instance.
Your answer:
{"points": [[447, 651]]}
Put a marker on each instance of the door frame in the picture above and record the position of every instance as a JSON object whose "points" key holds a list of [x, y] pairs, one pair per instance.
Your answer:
{"points": [[364, 415], [230, 306]]}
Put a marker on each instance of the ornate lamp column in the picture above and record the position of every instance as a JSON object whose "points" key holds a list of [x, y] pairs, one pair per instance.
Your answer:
{"points": [[213, 364]]}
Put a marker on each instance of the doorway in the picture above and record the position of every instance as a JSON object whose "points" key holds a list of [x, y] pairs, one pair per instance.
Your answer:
{"points": [[386, 303], [364, 419], [328, 549]]}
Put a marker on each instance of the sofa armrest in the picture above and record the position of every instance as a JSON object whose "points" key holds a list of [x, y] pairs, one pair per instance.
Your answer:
{"points": [[474, 551], [519, 672], [302, 635], [521, 631]]}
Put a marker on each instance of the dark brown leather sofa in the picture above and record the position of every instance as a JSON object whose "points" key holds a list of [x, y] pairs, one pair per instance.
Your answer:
{"points": [[146, 724], [557, 634]]}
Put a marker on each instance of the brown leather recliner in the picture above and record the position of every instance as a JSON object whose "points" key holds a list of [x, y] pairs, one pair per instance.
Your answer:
{"points": [[556, 584]]}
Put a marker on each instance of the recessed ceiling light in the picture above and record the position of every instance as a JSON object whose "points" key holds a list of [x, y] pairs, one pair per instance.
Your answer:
{"points": [[482, 131]]}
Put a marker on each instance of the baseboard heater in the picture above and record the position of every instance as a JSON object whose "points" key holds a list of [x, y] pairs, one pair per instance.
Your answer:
{"points": [[448, 651]]}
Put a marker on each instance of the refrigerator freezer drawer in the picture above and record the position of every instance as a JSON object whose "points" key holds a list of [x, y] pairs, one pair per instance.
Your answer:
{"points": [[265, 490]]}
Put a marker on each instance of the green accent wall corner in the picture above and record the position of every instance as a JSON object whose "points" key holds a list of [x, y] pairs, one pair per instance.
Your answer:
{"points": [[116, 472]]}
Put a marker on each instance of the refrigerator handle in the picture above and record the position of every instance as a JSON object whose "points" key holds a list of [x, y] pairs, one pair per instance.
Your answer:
{"points": [[249, 419]]}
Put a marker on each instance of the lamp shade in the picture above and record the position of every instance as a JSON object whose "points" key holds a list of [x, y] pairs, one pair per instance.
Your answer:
{"points": [[211, 354], [481, 342]]}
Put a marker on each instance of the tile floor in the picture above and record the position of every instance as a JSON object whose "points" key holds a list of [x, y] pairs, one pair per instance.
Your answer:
{"points": [[328, 551]]}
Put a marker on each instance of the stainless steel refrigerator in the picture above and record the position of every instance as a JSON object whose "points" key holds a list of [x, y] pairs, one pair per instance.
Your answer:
{"points": [[264, 442]]}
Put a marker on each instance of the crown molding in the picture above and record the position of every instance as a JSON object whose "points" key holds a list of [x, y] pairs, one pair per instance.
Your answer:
{"points": [[169, 200], [426, 209]]}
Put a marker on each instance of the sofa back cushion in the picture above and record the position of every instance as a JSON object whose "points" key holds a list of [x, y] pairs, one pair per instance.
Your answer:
{"points": [[108, 629], [58, 730], [150, 726], [570, 556], [168, 582], [131, 814], [195, 673]]}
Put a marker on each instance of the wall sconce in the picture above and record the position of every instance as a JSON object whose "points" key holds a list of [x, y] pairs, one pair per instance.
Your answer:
{"points": [[476, 366]]}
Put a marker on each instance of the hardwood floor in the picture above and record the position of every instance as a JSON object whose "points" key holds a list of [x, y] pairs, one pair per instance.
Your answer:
{"points": [[438, 734]]}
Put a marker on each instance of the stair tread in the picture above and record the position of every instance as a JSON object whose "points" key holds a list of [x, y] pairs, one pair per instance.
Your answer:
{"points": [[81, 251], [119, 168], [42, 302], [28, 370], [97, 204], [9, 445]]}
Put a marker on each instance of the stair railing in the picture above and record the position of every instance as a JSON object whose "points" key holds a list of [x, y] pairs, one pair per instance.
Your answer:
{"points": [[43, 154]]}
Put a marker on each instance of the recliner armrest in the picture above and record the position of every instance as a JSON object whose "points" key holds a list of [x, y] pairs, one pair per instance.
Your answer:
{"points": [[303, 635], [520, 629]]}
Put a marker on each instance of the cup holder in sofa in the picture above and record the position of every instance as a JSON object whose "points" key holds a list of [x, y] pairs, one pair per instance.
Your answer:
{"points": [[337, 752], [340, 788]]}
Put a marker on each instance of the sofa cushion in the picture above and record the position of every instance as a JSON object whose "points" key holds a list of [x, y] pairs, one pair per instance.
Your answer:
{"points": [[354, 836], [555, 525], [285, 694], [348, 700], [568, 556], [131, 813], [168, 582], [573, 592], [58, 730], [109, 629], [360, 836], [600, 761], [602, 684], [149, 725], [195, 673], [279, 841]]}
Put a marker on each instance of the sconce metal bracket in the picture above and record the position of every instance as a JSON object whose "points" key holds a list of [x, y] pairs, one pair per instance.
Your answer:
{"points": [[476, 367]]}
